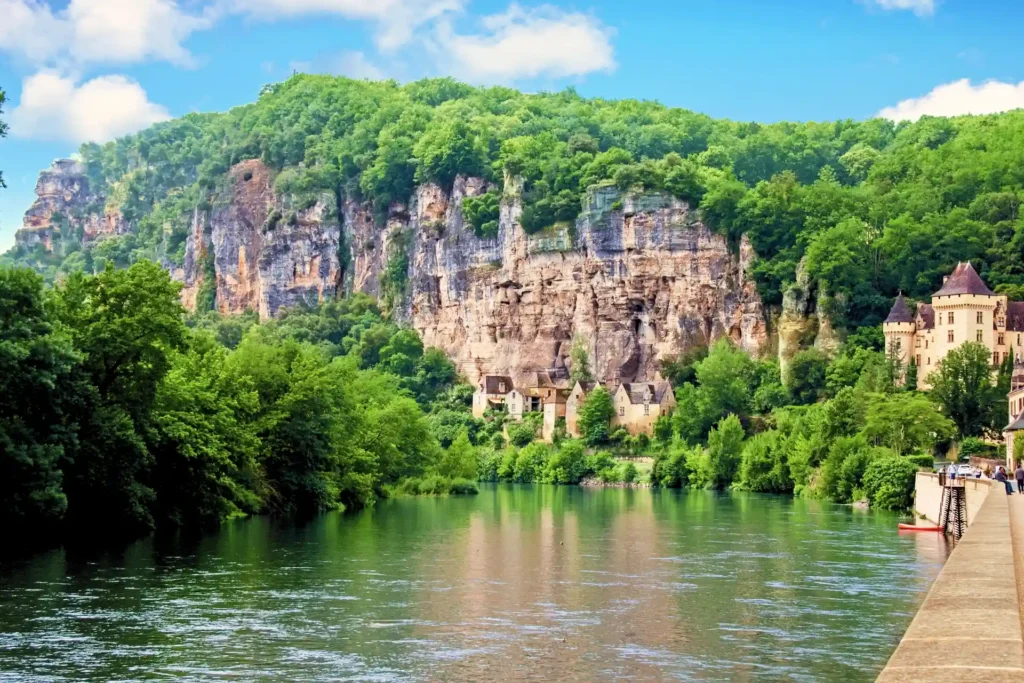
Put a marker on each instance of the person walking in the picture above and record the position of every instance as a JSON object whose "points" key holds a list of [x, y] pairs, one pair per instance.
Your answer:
{"points": [[1019, 476]]}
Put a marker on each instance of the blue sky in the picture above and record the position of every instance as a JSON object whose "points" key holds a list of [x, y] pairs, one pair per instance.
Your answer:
{"points": [[95, 69]]}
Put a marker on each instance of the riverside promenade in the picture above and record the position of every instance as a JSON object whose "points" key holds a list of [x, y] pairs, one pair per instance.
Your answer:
{"points": [[969, 626]]}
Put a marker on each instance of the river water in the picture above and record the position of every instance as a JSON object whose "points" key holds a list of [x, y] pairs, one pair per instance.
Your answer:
{"points": [[520, 582]]}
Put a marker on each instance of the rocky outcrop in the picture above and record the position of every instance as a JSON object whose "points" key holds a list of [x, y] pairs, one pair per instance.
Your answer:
{"points": [[269, 251], [805, 322], [636, 278], [67, 208]]}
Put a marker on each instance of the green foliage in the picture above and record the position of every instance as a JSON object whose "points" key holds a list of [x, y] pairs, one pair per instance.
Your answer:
{"points": [[568, 465], [717, 465], [120, 417], [962, 385], [36, 365], [922, 461], [764, 465], [530, 463], [595, 416], [889, 482], [972, 445], [437, 485], [806, 378], [460, 460], [482, 212], [670, 465], [3, 128], [579, 367], [906, 423]]}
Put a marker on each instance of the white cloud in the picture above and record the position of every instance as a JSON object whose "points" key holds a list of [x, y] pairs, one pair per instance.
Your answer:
{"points": [[53, 107], [957, 98], [921, 8], [98, 31], [544, 42], [397, 20]]}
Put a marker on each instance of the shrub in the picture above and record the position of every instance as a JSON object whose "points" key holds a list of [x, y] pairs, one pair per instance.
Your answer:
{"points": [[489, 464], [764, 465], [889, 482], [521, 434], [669, 469], [436, 485], [507, 465], [630, 473], [923, 461], [972, 445], [459, 461], [568, 465], [530, 462]]}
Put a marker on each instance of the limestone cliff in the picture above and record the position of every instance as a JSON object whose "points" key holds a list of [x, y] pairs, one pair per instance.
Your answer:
{"points": [[266, 250], [638, 277], [67, 208]]}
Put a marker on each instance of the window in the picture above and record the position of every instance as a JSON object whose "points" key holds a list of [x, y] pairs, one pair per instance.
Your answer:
{"points": [[940, 318], [981, 318], [978, 337], [501, 387], [995, 358], [926, 344], [917, 343], [898, 344], [951, 317], [917, 360], [1001, 340], [1002, 321], [929, 360], [622, 411], [647, 409], [949, 336]]}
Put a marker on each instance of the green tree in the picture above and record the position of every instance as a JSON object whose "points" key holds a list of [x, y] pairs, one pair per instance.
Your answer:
{"points": [[595, 416], [3, 128], [460, 460], [717, 466], [579, 367], [764, 465], [807, 376], [36, 363], [906, 423], [962, 385], [127, 324]]}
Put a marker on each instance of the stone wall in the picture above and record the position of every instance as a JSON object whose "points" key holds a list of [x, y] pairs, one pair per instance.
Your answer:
{"points": [[928, 496]]}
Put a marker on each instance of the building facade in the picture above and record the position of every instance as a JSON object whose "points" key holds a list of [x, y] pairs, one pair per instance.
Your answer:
{"points": [[963, 310], [639, 405]]}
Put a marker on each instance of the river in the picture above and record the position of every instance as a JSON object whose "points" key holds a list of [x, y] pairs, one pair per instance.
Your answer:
{"points": [[519, 582]]}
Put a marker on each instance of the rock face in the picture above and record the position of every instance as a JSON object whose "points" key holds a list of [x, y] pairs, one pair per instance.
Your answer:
{"points": [[637, 278], [67, 208], [268, 251]]}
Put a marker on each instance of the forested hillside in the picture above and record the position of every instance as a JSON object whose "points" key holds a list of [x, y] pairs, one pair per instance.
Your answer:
{"points": [[873, 207]]}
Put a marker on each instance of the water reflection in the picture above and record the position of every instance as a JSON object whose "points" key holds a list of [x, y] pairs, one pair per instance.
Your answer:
{"points": [[519, 582]]}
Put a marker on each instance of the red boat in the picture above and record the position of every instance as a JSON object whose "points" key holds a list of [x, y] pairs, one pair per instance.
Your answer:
{"points": [[918, 527]]}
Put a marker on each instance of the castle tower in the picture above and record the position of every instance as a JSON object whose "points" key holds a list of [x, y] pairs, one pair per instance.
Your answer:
{"points": [[964, 311], [899, 329]]}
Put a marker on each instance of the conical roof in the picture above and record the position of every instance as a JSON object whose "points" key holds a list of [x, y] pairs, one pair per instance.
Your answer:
{"points": [[900, 312], [964, 280]]}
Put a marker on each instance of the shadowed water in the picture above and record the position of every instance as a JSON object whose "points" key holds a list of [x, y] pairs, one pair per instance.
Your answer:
{"points": [[520, 582]]}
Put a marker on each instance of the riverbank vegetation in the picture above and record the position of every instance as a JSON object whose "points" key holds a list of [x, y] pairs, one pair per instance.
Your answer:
{"points": [[118, 415]]}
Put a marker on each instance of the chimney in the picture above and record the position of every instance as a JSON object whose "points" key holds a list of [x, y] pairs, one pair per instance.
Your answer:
{"points": [[944, 278]]}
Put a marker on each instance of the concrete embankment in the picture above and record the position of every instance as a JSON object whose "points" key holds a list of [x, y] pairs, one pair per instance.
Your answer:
{"points": [[928, 496], [969, 627]]}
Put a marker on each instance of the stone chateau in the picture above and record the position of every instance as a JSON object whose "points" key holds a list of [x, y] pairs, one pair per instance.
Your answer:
{"points": [[963, 310]]}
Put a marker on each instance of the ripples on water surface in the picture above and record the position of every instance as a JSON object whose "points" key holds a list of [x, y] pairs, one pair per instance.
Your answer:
{"points": [[519, 582]]}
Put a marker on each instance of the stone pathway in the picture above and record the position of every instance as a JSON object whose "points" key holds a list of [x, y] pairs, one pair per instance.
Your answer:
{"points": [[969, 627]]}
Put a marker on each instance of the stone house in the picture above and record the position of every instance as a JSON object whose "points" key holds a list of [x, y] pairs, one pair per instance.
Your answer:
{"points": [[492, 391], [963, 310], [639, 405], [1015, 401]]}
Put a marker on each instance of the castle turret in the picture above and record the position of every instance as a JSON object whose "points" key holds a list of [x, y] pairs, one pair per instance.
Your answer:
{"points": [[899, 329]]}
